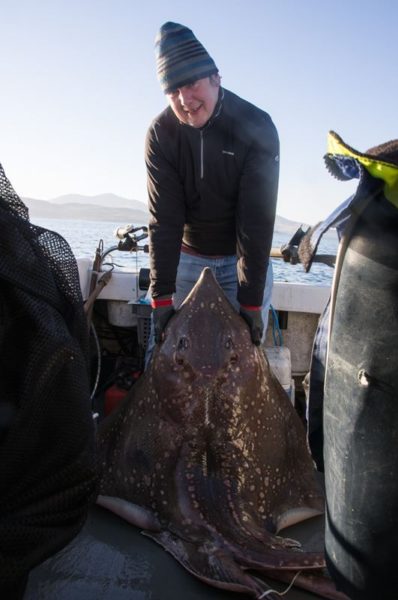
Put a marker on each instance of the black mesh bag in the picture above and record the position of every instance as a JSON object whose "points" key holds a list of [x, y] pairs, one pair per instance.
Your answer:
{"points": [[48, 473]]}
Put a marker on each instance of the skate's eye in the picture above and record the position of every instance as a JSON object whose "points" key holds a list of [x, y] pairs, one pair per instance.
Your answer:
{"points": [[229, 343], [183, 344]]}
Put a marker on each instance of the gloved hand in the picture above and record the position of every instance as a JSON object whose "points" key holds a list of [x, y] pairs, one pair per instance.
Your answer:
{"points": [[253, 317], [162, 311]]}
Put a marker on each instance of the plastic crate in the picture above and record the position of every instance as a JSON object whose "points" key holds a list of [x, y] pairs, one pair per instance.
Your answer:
{"points": [[143, 314]]}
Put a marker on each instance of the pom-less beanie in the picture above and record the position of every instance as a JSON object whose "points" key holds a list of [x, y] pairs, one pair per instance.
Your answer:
{"points": [[180, 57]]}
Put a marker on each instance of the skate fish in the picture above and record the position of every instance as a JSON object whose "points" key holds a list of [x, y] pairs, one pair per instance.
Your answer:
{"points": [[207, 454]]}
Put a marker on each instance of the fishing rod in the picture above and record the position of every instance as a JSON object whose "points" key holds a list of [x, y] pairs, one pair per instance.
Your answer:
{"points": [[289, 252], [128, 242]]}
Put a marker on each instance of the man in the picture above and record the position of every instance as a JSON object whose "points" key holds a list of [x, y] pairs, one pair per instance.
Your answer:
{"points": [[213, 166]]}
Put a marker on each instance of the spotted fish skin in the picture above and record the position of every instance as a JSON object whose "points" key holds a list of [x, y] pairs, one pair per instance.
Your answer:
{"points": [[209, 445]]}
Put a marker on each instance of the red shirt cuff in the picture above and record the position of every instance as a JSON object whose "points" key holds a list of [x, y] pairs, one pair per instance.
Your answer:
{"points": [[248, 307], [165, 302]]}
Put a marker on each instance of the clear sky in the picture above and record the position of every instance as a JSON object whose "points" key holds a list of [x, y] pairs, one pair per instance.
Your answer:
{"points": [[78, 87]]}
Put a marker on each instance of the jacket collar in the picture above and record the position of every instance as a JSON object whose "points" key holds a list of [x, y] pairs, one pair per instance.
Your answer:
{"points": [[217, 110]]}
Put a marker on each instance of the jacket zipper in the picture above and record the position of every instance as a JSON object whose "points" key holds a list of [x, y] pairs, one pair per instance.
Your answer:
{"points": [[202, 169], [201, 155]]}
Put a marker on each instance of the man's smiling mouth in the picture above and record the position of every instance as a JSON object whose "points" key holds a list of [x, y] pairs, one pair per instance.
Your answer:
{"points": [[192, 111]]}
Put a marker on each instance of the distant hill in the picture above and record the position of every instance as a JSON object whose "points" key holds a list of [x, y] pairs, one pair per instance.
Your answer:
{"points": [[89, 210], [110, 207], [286, 225], [108, 200]]}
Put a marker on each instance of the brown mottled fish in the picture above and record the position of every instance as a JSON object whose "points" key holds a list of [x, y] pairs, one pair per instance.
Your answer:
{"points": [[207, 454]]}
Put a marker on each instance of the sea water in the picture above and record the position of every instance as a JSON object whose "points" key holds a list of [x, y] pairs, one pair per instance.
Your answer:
{"points": [[84, 237]]}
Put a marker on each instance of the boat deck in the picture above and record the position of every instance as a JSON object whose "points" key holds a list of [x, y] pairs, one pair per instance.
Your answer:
{"points": [[111, 560]]}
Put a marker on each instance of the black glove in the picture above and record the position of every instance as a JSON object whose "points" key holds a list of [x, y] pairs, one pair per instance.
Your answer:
{"points": [[254, 319], [162, 311]]}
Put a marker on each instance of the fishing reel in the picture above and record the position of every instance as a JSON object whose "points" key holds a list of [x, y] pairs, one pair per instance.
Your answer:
{"points": [[129, 243], [129, 239]]}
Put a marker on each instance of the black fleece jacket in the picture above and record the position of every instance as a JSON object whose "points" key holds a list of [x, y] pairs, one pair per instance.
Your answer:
{"points": [[215, 189]]}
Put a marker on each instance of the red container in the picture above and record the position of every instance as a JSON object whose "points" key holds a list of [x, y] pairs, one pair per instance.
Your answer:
{"points": [[113, 396]]}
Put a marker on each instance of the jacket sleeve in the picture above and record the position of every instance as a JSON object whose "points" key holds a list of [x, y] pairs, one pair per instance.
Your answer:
{"points": [[167, 215], [256, 209]]}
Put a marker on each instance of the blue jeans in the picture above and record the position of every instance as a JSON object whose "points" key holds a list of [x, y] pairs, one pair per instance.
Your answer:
{"points": [[224, 270]]}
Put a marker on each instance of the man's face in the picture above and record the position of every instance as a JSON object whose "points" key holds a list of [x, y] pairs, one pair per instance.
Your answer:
{"points": [[193, 104]]}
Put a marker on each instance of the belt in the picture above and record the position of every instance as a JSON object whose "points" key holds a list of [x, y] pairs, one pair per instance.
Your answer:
{"points": [[188, 250]]}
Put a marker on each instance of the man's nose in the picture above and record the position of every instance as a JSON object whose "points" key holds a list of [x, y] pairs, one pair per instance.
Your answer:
{"points": [[184, 96]]}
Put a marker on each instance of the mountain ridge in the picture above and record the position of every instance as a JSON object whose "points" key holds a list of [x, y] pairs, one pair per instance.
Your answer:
{"points": [[110, 207], [107, 199], [87, 211]]}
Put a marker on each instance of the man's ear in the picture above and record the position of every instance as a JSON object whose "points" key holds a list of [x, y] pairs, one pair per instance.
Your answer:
{"points": [[215, 79]]}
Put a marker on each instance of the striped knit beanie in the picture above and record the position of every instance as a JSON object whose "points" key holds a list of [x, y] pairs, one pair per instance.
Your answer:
{"points": [[180, 57]]}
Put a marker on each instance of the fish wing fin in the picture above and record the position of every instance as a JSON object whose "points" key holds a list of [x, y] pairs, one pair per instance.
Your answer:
{"points": [[209, 563], [132, 513]]}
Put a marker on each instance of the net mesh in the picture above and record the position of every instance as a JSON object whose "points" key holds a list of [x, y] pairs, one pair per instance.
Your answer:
{"points": [[48, 472]]}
